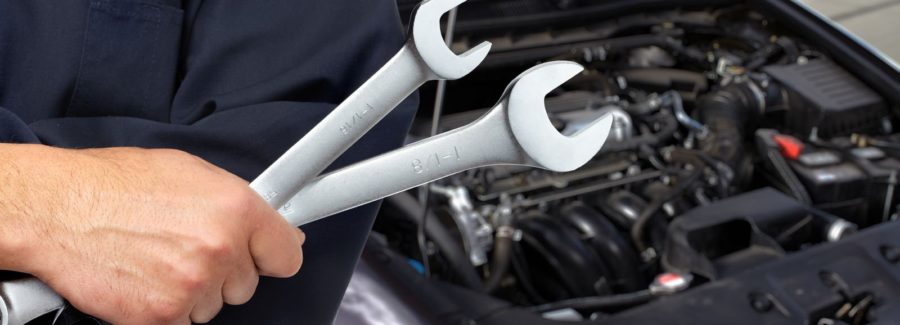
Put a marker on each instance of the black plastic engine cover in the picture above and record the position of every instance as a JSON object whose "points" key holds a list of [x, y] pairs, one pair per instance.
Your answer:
{"points": [[826, 97], [796, 289], [728, 236]]}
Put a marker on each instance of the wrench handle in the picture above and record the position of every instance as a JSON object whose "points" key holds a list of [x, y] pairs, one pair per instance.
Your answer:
{"points": [[25, 299], [482, 143], [341, 128]]}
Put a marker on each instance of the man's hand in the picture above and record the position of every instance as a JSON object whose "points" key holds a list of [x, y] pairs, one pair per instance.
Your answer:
{"points": [[137, 236]]}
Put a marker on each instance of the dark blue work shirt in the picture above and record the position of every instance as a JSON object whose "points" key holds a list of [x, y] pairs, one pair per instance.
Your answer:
{"points": [[234, 82]]}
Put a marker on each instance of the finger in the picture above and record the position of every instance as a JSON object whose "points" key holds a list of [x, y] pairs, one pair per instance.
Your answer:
{"points": [[301, 236], [208, 306], [241, 283], [275, 244], [182, 321]]}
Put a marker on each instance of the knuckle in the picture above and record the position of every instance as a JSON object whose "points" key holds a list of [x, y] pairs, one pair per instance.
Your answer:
{"points": [[241, 285], [215, 243], [300, 259], [207, 315], [167, 310], [301, 236], [243, 295], [290, 266], [235, 199], [192, 279], [202, 319], [216, 248], [280, 271], [298, 263]]}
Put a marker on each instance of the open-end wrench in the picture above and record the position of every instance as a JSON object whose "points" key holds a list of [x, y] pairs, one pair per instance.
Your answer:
{"points": [[517, 131], [26, 298], [424, 57]]}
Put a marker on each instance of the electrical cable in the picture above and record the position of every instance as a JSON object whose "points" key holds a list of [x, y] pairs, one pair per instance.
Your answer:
{"points": [[596, 303], [442, 84], [420, 229], [450, 249], [425, 190], [884, 144]]}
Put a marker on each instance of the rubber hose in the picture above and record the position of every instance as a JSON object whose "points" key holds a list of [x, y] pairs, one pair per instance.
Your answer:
{"points": [[728, 113], [640, 225], [500, 261]]}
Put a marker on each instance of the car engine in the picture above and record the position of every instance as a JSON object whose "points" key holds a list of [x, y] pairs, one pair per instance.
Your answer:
{"points": [[737, 142]]}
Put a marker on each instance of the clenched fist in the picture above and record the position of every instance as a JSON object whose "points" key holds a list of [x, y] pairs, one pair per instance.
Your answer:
{"points": [[137, 236]]}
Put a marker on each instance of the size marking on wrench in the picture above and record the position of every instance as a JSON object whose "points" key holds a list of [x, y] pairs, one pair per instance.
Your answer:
{"points": [[357, 117], [434, 160], [287, 208], [268, 196]]}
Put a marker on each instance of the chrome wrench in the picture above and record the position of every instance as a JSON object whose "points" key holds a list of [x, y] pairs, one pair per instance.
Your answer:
{"points": [[424, 57], [517, 131], [24, 299]]}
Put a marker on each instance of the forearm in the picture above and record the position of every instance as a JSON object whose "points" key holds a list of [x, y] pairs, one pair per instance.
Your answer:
{"points": [[51, 197]]}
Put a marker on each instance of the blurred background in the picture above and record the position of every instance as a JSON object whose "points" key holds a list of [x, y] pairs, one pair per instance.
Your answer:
{"points": [[872, 20], [694, 193]]}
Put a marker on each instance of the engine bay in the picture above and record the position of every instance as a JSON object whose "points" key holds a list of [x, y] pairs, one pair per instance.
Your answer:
{"points": [[737, 143]]}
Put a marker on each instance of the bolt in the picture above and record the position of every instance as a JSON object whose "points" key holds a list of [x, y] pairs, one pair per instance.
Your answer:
{"points": [[761, 302], [890, 253]]}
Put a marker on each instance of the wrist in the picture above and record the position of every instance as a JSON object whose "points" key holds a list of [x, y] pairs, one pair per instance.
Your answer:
{"points": [[24, 206]]}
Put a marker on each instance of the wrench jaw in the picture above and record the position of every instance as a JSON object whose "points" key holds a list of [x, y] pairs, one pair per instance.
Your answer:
{"points": [[533, 130], [429, 43]]}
